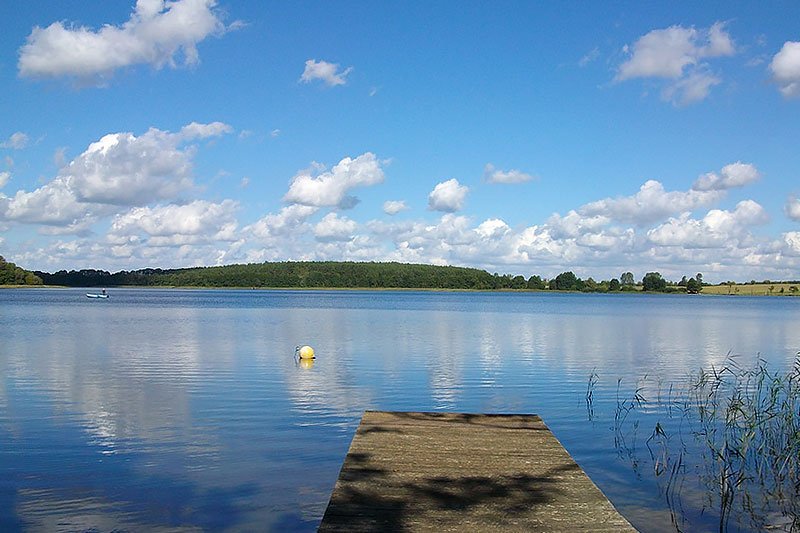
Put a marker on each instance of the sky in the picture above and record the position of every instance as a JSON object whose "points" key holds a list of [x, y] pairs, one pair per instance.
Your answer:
{"points": [[518, 137]]}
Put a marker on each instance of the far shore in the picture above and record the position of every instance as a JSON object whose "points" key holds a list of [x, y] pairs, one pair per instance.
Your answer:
{"points": [[758, 289]]}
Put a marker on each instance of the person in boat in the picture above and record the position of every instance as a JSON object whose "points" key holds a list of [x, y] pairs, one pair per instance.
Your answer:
{"points": [[104, 292]]}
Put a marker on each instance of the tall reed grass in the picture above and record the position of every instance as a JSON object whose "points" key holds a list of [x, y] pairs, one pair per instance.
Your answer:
{"points": [[736, 429]]}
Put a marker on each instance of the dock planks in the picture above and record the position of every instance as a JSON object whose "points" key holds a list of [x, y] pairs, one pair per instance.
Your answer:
{"points": [[462, 472]]}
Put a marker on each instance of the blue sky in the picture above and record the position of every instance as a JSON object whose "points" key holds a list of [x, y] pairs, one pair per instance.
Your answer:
{"points": [[520, 137]]}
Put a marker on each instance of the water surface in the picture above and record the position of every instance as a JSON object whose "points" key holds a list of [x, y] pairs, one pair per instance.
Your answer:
{"points": [[185, 410]]}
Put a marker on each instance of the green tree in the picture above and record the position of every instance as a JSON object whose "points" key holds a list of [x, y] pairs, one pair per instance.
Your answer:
{"points": [[590, 285], [535, 282], [653, 281], [518, 282], [693, 287], [613, 285], [11, 274], [566, 281], [627, 279]]}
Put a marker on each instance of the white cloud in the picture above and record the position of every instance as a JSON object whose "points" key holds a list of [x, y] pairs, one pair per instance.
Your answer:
{"points": [[275, 133], [177, 225], [196, 130], [329, 189], [54, 204], [119, 170], [17, 141], [4, 178], [448, 196], [606, 240], [493, 175], [392, 207], [289, 221], [676, 53], [691, 88], [719, 228], [574, 225], [793, 208], [326, 72], [332, 227], [734, 175], [785, 67], [719, 42], [651, 204], [122, 169], [492, 228], [791, 241], [666, 53], [589, 57], [158, 33]]}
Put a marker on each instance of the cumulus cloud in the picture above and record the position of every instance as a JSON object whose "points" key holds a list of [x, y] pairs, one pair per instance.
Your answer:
{"points": [[120, 170], [574, 224], [676, 53], [177, 225], [691, 88], [4, 178], [196, 130], [448, 196], [494, 175], [123, 169], [54, 204], [792, 208], [330, 188], [492, 228], [328, 73], [290, 220], [158, 33], [332, 227], [785, 67], [666, 53], [392, 207], [734, 175], [791, 241], [716, 229], [651, 204], [17, 141]]}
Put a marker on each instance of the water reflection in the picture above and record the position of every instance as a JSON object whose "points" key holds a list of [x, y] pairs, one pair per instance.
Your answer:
{"points": [[187, 409]]}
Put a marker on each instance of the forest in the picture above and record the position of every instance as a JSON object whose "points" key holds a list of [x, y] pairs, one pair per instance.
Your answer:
{"points": [[290, 274], [11, 274], [367, 275]]}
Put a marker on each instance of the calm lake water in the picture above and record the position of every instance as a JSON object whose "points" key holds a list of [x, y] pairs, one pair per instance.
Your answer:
{"points": [[185, 410]]}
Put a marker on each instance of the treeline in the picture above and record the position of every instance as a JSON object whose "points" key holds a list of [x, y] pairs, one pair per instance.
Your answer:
{"points": [[651, 282], [291, 275], [331, 274], [11, 274]]}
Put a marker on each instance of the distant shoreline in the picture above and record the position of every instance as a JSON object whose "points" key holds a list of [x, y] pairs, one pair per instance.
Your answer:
{"points": [[710, 290]]}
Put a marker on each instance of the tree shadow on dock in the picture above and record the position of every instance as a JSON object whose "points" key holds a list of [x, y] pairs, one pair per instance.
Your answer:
{"points": [[460, 472], [372, 499]]}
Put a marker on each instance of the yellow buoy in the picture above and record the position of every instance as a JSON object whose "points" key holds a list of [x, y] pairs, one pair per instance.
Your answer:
{"points": [[305, 352]]}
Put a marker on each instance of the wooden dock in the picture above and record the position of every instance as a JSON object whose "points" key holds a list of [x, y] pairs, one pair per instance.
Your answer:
{"points": [[461, 472]]}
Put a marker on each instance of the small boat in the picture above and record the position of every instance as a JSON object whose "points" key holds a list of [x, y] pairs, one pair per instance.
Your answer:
{"points": [[90, 295]]}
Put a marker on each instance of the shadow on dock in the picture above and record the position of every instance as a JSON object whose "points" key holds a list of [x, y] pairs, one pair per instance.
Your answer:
{"points": [[447, 472]]}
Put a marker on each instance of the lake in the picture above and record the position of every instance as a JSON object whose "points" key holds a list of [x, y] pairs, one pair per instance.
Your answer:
{"points": [[185, 410]]}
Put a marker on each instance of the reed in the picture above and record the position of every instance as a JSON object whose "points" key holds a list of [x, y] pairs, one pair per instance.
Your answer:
{"points": [[739, 427]]}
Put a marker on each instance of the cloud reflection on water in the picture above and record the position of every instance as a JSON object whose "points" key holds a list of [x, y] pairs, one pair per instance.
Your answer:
{"points": [[196, 397]]}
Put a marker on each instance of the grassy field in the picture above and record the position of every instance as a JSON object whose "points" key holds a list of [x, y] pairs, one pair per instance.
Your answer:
{"points": [[758, 289]]}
